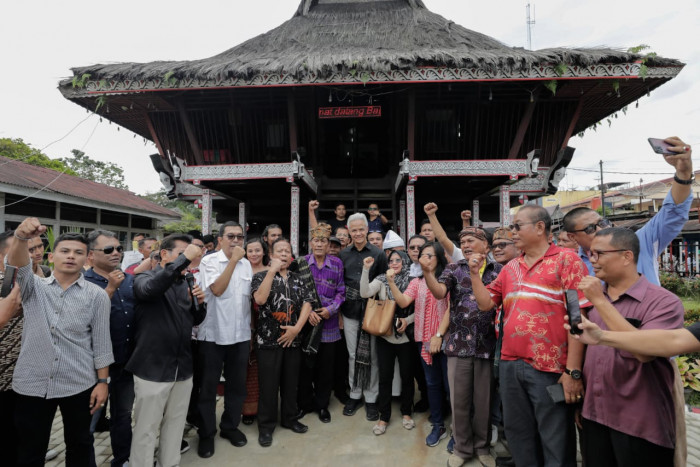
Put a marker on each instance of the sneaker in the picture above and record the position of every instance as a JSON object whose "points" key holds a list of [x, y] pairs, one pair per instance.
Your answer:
{"points": [[451, 445], [438, 433], [51, 454], [184, 446], [372, 412], [487, 460], [455, 461], [494, 435]]}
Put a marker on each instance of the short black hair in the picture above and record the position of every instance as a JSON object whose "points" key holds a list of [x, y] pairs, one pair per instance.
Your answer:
{"points": [[569, 221], [168, 243], [3, 238], [267, 229], [208, 238], [143, 241], [439, 254], [279, 240], [539, 214], [222, 227], [381, 232], [71, 236], [93, 236], [425, 221], [417, 236], [195, 234], [622, 238]]}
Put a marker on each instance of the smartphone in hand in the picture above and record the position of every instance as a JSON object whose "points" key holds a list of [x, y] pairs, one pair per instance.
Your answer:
{"points": [[8, 282], [574, 311], [661, 147]]}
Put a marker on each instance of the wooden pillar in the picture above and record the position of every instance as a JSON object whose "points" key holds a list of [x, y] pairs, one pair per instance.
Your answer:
{"points": [[292, 117], [206, 212], [505, 205], [475, 213], [99, 218], [241, 217], [402, 219], [57, 224], [411, 124], [410, 211], [294, 220]]}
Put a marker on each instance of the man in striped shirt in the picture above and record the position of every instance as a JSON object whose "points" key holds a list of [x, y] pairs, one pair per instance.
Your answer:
{"points": [[66, 348]]}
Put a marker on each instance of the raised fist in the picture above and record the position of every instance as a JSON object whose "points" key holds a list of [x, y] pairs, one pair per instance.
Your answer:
{"points": [[430, 208], [313, 205], [368, 262], [275, 265], [466, 215], [192, 252], [30, 228], [238, 253], [390, 273]]}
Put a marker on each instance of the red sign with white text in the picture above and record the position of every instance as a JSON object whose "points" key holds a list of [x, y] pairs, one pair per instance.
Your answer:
{"points": [[362, 111]]}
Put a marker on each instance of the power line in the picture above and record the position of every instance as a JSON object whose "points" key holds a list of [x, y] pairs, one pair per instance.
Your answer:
{"points": [[615, 172]]}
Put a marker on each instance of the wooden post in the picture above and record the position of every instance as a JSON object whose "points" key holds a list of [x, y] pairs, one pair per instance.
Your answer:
{"points": [[206, 212], [505, 205], [411, 124], [294, 220], [191, 137], [410, 211], [475, 213], [402, 220], [241, 217]]}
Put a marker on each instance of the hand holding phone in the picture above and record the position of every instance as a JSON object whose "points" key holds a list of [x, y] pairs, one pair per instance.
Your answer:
{"points": [[574, 311], [9, 282], [661, 147]]}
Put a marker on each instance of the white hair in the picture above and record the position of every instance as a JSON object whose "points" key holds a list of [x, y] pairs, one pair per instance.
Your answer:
{"points": [[358, 216]]}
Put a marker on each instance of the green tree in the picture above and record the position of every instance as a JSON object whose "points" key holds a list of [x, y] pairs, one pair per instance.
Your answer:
{"points": [[85, 167], [19, 150], [191, 215]]}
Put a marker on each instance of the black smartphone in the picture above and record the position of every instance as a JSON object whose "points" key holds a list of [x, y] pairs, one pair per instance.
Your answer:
{"points": [[556, 393], [660, 146], [9, 282], [574, 311]]}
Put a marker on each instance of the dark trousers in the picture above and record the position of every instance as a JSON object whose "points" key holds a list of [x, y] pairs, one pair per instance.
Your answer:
{"points": [[8, 432], [33, 419], [419, 373], [539, 432], [470, 394], [387, 353], [316, 382], [278, 373], [438, 387], [234, 359], [604, 447], [121, 403], [193, 408], [340, 368]]}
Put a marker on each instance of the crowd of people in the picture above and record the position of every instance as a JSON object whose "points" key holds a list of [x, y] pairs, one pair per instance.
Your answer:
{"points": [[480, 328]]}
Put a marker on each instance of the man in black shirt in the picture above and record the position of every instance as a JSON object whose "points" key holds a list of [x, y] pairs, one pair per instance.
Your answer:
{"points": [[353, 312], [162, 360]]}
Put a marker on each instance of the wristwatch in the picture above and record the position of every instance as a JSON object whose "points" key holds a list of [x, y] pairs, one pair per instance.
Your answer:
{"points": [[684, 182], [575, 374], [103, 380], [437, 334]]}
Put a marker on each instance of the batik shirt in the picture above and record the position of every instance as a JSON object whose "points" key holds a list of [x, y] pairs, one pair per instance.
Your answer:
{"points": [[282, 308]]}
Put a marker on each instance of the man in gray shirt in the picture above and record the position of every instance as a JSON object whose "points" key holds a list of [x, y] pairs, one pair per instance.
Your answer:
{"points": [[66, 348]]}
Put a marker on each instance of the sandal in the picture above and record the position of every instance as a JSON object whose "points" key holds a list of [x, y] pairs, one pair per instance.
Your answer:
{"points": [[408, 423], [379, 429]]}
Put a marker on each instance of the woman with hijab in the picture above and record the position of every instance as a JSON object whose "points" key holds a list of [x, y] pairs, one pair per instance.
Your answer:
{"points": [[393, 346]]}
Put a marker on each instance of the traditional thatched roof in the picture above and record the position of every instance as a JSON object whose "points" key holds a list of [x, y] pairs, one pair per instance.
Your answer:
{"points": [[330, 36]]}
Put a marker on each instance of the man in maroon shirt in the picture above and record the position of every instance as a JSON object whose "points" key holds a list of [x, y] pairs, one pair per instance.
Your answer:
{"points": [[628, 411]]}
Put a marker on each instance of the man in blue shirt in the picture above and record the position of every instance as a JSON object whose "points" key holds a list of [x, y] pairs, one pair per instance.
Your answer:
{"points": [[583, 223], [105, 256]]}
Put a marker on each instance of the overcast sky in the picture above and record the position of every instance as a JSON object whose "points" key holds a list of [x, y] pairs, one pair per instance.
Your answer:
{"points": [[41, 40]]}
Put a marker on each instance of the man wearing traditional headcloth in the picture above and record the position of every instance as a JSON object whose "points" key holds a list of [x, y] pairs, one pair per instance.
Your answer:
{"points": [[316, 381]]}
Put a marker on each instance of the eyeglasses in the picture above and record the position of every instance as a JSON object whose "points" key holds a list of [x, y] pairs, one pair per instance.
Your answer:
{"points": [[594, 254], [414, 247], [519, 226], [502, 245], [234, 236], [429, 255], [591, 228], [200, 246], [110, 249], [342, 235], [395, 261], [373, 209]]}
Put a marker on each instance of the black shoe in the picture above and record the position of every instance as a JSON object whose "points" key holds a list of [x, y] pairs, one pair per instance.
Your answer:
{"points": [[420, 406], [248, 419], [297, 427], [185, 446], [102, 425], [324, 415], [302, 413], [236, 437], [351, 406], [206, 447], [265, 439], [372, 412], [342, 397], [505, 462]]}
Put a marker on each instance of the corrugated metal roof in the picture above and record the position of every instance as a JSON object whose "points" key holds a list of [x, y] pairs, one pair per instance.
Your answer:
{"points": [[17, 173]]}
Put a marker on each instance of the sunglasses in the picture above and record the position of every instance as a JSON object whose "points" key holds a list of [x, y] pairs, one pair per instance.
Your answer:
{"points": [[373, 209], [414, 247], [591, 228], [502, 245], [110, 249], [235, 236], [519, 226]]}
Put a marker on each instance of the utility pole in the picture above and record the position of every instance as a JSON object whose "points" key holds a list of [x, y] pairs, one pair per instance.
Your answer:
{"points": [[529, 22], [602, 191]]}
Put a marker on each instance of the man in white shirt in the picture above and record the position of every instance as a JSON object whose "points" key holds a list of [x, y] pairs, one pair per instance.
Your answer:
{"points": [[224, 337]]}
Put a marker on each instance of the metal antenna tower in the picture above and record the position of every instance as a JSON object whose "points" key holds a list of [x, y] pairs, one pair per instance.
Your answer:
{"points": [[529, 23]]}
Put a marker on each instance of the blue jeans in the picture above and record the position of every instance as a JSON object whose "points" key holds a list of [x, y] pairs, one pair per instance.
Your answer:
{"points": [[438, 387], [539, 432]]}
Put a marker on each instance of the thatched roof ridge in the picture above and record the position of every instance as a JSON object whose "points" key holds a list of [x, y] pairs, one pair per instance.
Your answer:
{"points": [[326, 37]]}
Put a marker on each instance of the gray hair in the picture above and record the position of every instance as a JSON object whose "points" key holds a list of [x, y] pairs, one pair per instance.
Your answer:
{"points": [[358, 216], [95, 234]]}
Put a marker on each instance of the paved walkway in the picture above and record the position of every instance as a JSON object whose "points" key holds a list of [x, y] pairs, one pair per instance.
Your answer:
{"points": [[344, 441]]}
